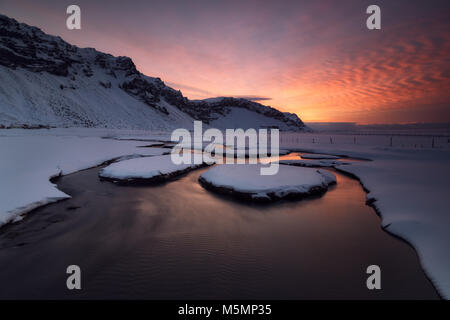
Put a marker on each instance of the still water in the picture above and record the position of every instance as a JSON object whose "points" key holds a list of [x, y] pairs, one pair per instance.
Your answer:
{"points": [[178, 240]]}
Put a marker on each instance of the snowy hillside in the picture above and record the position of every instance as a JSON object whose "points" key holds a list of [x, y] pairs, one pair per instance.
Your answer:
{"points": [[47, 81]]}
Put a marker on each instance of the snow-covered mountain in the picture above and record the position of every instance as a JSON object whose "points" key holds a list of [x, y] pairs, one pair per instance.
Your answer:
{"points": [[47, 81]]}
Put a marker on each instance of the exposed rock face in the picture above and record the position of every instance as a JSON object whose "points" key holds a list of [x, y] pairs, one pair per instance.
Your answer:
{"points": [[23, 47]]}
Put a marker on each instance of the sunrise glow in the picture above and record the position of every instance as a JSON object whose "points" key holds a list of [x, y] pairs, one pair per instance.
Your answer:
{"points": [[317, 59]]}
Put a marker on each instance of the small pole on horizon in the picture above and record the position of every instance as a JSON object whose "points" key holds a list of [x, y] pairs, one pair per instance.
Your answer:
{"points": [[331, 140], [391, 141], [432, 143]]}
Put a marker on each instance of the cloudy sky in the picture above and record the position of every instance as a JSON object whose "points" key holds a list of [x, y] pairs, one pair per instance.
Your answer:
{"points": [[315, 58]]}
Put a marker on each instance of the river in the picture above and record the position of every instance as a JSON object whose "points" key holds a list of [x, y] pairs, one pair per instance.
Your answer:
{"points": [[177, 240]]}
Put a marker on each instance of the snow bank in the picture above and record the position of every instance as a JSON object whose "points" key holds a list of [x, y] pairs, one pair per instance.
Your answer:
{"points": [[29, 158], [145, 169], [245, 181]]}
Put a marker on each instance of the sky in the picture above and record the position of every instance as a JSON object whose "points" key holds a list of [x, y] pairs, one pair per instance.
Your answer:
{"points": [[314, 58]]}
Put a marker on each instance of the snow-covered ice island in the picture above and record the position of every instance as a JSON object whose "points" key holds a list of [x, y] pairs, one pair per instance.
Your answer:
{"points": [[246, 182], [145, 170]]}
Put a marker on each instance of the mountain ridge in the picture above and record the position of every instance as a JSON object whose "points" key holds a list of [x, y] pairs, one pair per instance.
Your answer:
{"points": [[45, 81]]}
